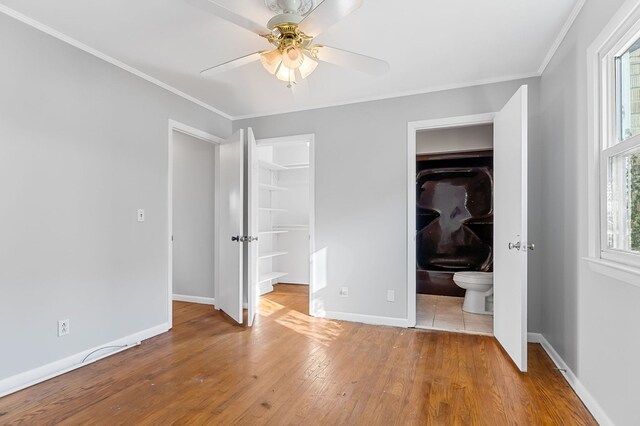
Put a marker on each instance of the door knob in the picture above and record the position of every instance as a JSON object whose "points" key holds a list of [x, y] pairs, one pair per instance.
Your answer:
{"points": [[518, 246], [245, 239]]}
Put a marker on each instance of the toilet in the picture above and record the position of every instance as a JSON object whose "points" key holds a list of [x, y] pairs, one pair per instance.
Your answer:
{"points": [[478, 298]]}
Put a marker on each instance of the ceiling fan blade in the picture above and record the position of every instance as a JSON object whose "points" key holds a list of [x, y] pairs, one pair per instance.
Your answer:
{"points": [[356, 61], [232, 64], [326, 14], [228, 15]]}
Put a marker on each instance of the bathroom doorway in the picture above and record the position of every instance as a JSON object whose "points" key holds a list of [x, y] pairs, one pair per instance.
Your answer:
{"points": [[454, 229], [511, 243]]}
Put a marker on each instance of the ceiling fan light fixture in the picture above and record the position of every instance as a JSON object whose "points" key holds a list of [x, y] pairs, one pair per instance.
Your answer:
{"points": [[292, 32], [308, 66], [271, 60]]}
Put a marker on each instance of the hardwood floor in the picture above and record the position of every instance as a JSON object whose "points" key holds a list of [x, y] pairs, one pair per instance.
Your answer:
{"points": [[294, 369]]}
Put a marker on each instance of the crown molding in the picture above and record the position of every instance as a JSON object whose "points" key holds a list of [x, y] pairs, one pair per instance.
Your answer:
{"points": [[561, 35], [75, 43]]}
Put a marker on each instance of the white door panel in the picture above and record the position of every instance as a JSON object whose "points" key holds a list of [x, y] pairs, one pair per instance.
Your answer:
{"points": [[252, 225], [231, 210], [510, 226]]}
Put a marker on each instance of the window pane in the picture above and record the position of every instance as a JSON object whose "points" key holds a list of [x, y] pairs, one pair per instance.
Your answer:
{"points": [[623, 202], [628, 92]]}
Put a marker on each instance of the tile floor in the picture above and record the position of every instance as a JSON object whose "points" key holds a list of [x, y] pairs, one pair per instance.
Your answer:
{"points": [[445, 313]]}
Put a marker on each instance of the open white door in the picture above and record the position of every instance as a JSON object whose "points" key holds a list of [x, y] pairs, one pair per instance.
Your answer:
{"points": [[252, 225], [230, 230], [510, 228]]}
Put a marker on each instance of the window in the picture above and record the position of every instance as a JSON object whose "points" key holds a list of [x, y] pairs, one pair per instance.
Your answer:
{"points": [[614, 168], [620, 162]]}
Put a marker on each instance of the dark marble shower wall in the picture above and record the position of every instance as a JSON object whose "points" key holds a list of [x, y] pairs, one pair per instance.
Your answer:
{"points": [[454, 219]]}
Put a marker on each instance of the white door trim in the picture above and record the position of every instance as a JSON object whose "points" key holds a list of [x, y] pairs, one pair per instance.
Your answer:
{"points": [[207, 137], [412, 129], [309, 138]]}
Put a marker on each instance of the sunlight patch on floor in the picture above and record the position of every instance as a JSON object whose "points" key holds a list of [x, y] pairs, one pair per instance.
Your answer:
{"points": [[323, 332], [269, 307]]}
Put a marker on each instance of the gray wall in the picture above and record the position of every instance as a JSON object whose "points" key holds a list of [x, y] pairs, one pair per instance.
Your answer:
{"points": [[590, 319], [455, 139], [193, 216], [361, 189], [83, 144]]}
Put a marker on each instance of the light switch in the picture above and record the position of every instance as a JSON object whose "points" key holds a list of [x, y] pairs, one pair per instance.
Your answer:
{"points": [[140, 215]]}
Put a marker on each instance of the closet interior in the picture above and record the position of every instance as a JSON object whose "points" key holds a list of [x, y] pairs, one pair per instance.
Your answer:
{"points": [[283, 219]]}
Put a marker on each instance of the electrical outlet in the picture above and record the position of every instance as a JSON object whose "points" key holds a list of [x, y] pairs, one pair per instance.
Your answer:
{"points": [[391, 296], [63, 327], [344, 292]]}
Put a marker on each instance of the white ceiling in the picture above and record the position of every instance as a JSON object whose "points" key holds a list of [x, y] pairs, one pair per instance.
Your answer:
{"points": [[430, 44]]}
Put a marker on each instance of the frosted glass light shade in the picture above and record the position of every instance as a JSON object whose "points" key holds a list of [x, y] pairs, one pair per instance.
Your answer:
{"points": [[271, 60], [292, 57], [308, 66], [286, 74]]}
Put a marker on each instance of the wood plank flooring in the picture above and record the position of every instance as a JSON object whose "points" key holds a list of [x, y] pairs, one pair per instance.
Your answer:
{"points": [[293, 369]]}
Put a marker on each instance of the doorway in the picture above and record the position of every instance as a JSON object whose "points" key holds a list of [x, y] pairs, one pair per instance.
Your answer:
{"points": [[285, 214], [454, 228], [193, 227]]}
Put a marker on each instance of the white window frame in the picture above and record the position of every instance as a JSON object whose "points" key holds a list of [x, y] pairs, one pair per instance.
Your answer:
{"points": [[621, 32]]}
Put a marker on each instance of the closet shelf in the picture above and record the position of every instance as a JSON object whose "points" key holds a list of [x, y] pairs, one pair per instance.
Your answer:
{"points": [[270, 254], [269, 209], [291, 227], [270, 166], [271, 276], [267, 187], [295, 182], [296, 166], [280, 167], [275, 231]]}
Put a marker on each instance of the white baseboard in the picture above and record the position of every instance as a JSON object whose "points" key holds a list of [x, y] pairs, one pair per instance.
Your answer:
{"points": [[588, 400], [365, 319], [40, 374], [194, 299], [534, 338]]}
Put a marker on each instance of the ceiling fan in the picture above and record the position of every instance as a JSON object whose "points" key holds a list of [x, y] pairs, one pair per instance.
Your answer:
{"points": [[291, 32]]}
